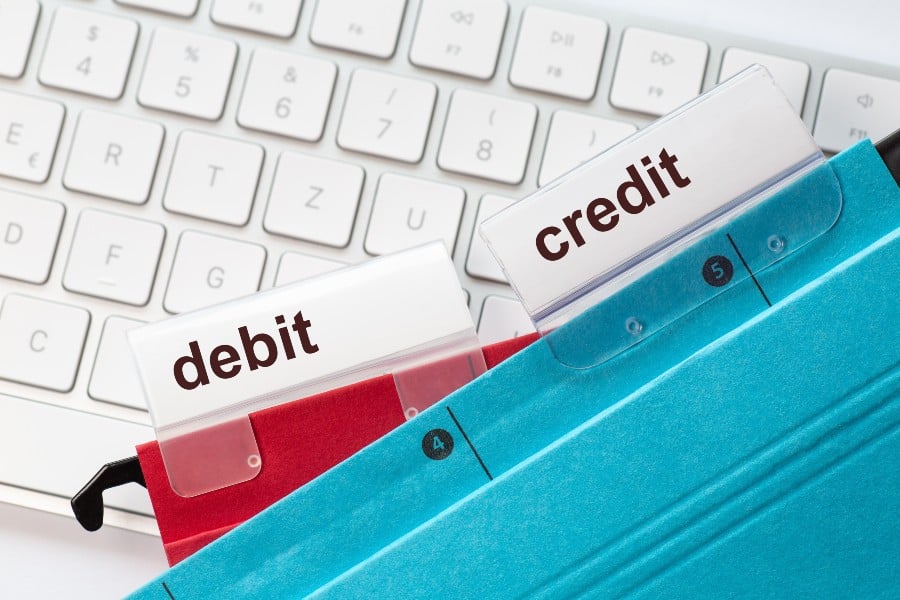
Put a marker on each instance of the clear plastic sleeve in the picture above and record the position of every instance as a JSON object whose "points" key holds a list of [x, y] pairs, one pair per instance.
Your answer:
{"points": [[768, 192], [404, 315]]}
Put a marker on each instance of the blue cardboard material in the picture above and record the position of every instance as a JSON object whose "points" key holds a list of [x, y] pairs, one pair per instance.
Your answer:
{"points": [[744, 450], [769, 448]]}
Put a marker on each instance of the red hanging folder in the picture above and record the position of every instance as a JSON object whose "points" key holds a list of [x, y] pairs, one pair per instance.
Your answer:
{"points": [[253, 398], [298, 440]]}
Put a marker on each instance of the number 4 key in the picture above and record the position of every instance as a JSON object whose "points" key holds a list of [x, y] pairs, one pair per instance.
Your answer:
{"points": [[88, 52]]}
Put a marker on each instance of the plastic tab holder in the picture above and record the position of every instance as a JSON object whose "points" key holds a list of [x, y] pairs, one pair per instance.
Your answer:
{"points": [[644, 233], [204, 372]]}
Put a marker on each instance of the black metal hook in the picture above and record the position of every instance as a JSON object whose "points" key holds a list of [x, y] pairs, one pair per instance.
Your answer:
{"points": [[87, 504]]}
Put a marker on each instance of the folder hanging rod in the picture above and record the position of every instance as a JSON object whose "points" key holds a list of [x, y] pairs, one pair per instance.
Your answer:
{"points": [[889, 149]]}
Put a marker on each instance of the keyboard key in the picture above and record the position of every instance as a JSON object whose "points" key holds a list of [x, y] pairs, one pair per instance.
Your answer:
{"points": [[364, 26], [29, 231], [74, 443], [88, 52], [29, 132], [187, 73], [41, 342], [314, 199], [287, 94], [480, 262], [792, 76], [502, 319], [213, 178], [854, 106], [16, 33], [487, 136], [459, 36], [209, 269], [294, 266], [559, 53], [387, 115], [576, 137], [180, 8], [409, 212], [270, 17], [657, 72], [114, 257], [115, 378], [114, 156]]}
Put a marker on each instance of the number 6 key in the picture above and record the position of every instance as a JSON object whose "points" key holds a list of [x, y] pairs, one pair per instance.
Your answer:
{"points": [[287, 94]]}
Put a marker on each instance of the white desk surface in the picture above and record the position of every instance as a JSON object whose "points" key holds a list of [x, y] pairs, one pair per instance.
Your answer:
{"points": [[47, 556]]}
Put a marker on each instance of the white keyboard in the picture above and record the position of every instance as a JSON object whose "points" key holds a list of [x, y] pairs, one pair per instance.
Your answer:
{"points": [[157, 156]]}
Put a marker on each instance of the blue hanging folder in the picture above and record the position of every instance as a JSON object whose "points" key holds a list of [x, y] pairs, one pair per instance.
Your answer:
{"points": [[747, 448]]}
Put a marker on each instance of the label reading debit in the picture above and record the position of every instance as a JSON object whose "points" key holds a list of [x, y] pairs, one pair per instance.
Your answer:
{"points": [[204, 362]]}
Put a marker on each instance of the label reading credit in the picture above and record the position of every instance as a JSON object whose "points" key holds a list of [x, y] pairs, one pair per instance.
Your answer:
{"points": [[645, 191]]}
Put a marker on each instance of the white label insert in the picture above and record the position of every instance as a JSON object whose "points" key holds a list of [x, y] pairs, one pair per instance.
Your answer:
{"points": [[648, 189], [204, 362]]}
